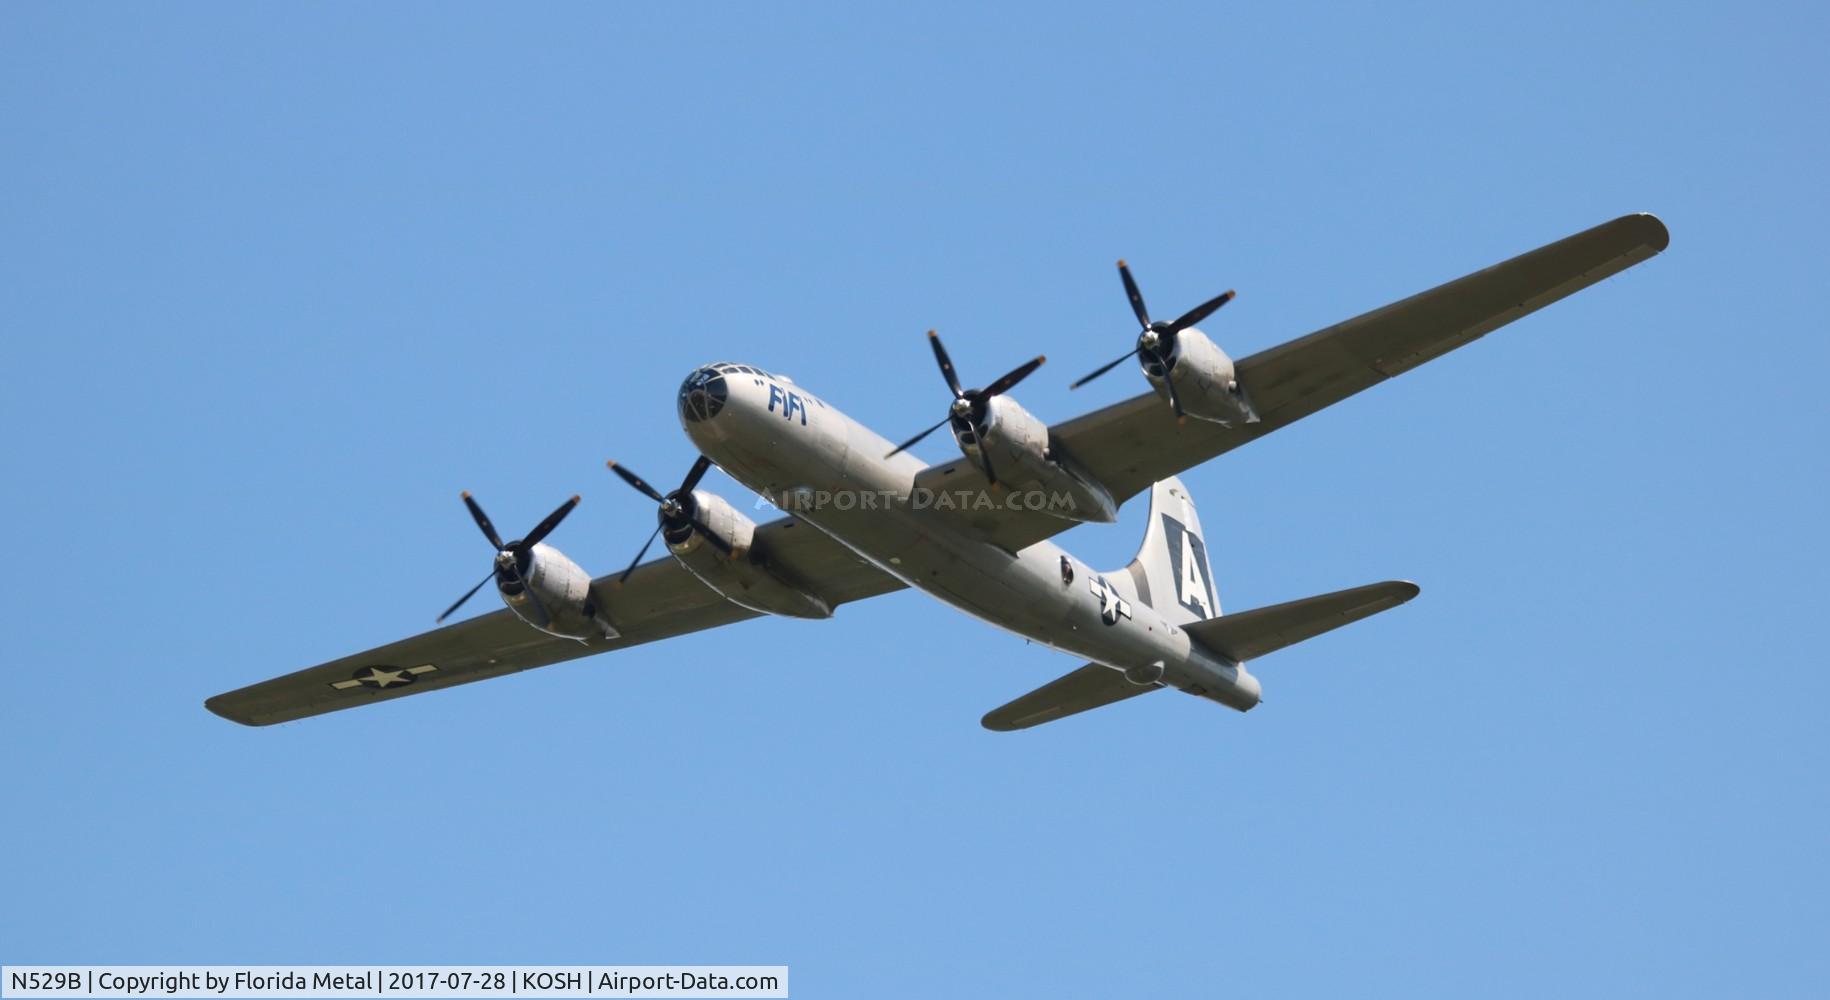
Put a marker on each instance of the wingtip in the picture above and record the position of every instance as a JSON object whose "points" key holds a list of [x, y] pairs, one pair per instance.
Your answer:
{"points": [[219, 706], [1657, 236], [1644, 228], [997, 725]]}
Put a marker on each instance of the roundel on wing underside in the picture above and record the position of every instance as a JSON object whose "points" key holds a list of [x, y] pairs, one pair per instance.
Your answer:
{"points": [[702, 395]]}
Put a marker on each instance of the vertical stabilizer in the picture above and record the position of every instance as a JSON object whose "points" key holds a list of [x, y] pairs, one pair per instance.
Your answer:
{"points": [[1171, 570]]}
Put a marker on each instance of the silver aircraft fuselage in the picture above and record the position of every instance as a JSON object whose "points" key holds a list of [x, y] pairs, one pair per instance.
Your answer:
{"points": [[831, 471]]}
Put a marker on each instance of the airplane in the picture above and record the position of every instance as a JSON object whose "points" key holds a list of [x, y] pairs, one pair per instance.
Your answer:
{"points": [[866, 517]]}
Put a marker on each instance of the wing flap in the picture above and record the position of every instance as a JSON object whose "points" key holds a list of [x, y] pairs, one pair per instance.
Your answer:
{"points": [[1248, 635], [1088, 688]]}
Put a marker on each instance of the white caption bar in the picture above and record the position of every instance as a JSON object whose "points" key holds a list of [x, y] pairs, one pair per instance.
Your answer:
{"points": [[403, 981]]}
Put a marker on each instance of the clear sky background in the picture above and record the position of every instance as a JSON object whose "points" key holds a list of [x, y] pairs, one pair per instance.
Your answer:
{"points": [[276, 283]]}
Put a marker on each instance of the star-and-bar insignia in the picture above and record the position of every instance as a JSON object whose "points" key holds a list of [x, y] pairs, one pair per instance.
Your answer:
{"points": [[381, 678], [1111, 606]]}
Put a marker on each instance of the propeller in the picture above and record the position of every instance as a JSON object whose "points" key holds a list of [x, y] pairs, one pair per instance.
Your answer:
{"points": [[511, 557], [969, 407], [1157, 341], [678, 510]]}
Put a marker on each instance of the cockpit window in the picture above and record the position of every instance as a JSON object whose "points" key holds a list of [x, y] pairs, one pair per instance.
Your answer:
{"points": [[703, 394]]}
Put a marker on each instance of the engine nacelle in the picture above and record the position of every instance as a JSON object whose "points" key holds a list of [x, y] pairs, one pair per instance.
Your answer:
{"points": [[741, 574], [1205, 382], [554, 596], [1023, 457]]}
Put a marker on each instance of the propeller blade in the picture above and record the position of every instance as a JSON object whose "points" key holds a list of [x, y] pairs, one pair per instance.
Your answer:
{"points": [[991, 477], [1011, 378], [1122, 358], [633, 563], [1137, 297], [546, 527], [466, 597], [482, 519], [638, 482], [912, 442], [1175, 398], [1200, 312], [694, 475], [946, 367], [962, 427]]}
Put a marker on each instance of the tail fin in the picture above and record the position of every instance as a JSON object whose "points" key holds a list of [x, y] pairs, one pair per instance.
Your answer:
{"points": [[1171, 569]]}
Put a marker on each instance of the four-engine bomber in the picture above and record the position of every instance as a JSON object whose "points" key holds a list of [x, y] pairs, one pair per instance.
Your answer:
{"points": [[867, 517]]}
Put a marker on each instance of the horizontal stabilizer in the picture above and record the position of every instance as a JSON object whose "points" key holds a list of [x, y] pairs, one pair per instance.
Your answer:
{"points": [[1248, 635], [1089, 687]]}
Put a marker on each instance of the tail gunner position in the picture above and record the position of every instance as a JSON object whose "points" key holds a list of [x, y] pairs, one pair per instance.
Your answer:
{"points": [[866, 517]]}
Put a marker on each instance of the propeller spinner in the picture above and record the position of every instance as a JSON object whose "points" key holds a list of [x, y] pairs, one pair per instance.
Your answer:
{"points": [[678, 510], [511, 557], [1157, 341], [969, 408]]}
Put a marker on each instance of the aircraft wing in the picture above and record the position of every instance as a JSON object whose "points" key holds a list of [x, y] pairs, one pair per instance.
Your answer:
{"points": [[1129, 445], [660, 599]]}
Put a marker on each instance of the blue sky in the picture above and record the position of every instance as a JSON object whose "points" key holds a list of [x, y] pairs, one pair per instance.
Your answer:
{"points": [[278, 282]]}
